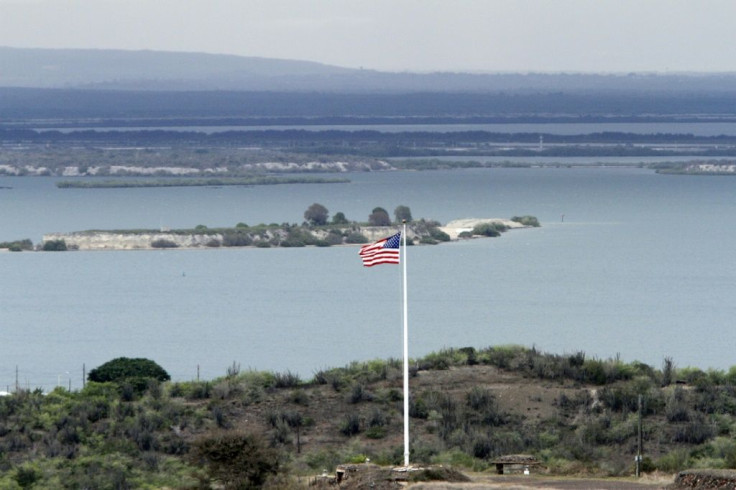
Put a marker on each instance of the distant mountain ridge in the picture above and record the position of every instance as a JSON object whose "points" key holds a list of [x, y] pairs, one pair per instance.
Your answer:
{"points": [[174, 71], [84, 68]]}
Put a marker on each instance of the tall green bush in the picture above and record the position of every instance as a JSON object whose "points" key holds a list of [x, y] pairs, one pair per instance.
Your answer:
{"points": [[236, 459], [123, 368]]}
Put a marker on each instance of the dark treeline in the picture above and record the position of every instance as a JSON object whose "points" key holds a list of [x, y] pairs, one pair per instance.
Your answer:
{"points": [[18, 104], [291, 137]]}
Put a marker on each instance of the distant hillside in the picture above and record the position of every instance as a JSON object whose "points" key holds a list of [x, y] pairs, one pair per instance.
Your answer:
{"points": [[85, 68], [166, 71]]}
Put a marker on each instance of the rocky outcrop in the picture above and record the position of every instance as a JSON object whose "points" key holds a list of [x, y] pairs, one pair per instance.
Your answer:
{"points": [[704, 479], [102, 240]]}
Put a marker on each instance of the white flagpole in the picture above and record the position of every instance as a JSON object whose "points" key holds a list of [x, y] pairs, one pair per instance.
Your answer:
{"points": [[406, 358]]}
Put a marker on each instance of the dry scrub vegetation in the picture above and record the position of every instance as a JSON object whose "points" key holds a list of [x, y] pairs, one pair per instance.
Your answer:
{"points": [[576, 415]]}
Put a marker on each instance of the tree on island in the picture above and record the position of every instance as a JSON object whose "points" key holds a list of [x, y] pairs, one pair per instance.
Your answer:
{"points": [[316, 215], [379, 217], [402, 213], [339, 219]]}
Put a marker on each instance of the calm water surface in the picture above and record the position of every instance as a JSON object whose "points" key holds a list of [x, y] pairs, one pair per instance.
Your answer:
{"points": [[695, 128], [640, 266]]}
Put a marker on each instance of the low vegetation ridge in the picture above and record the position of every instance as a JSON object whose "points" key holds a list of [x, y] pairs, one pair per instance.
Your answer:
{"points": [[196, 182], [577, 416]]}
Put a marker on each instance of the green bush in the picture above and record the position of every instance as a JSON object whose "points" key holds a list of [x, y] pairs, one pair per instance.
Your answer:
{"points": [[526, 220], [123, 368], [286, 380], [489, 229], [235, 459], [18, 245], [334, 237], [350, 425], [163, 243], [439, 235], [54, 246], [236, 238], [355, 237]]}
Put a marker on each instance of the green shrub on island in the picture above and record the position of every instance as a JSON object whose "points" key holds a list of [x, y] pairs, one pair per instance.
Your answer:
{"points": [[355, 237], [54, 246], [527, 221], [236, 238], [18, 245], [438, 234], [334, 237], [489, 229], [163, 243]]}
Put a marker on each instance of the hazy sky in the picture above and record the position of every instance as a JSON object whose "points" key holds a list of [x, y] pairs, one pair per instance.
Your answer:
{"points": [[399, 35]]}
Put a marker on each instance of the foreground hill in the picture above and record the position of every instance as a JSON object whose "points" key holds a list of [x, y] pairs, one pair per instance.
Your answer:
{"points": [[577, 416]]}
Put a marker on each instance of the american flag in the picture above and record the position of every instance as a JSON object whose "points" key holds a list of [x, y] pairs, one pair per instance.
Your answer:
{"points": [[384, 251]]}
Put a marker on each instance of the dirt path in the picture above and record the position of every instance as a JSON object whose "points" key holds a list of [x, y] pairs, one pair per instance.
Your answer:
{"points": [[528, 483]]}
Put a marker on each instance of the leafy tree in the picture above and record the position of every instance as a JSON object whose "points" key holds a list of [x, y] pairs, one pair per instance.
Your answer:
{"points": [[122, 368], [237, 460], [316, 214], [379, 217], [402, 213], [339, 219]]}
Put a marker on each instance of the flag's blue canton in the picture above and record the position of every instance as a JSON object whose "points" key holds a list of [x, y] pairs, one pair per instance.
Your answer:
{"points": [[393, 242]]}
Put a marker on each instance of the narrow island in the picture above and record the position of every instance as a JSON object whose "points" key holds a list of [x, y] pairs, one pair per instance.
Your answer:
{"points": [[316, 230], [197, 182]]}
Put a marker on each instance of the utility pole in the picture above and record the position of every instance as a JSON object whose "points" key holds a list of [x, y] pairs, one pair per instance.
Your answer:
{"points": [[638, 446]]}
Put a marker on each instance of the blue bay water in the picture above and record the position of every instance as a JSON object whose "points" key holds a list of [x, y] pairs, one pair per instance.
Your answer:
{"points": [[698, 128], [640, 265]]}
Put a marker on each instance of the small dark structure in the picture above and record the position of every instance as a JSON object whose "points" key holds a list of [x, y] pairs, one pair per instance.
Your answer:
{"points": [[515, 463]]}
